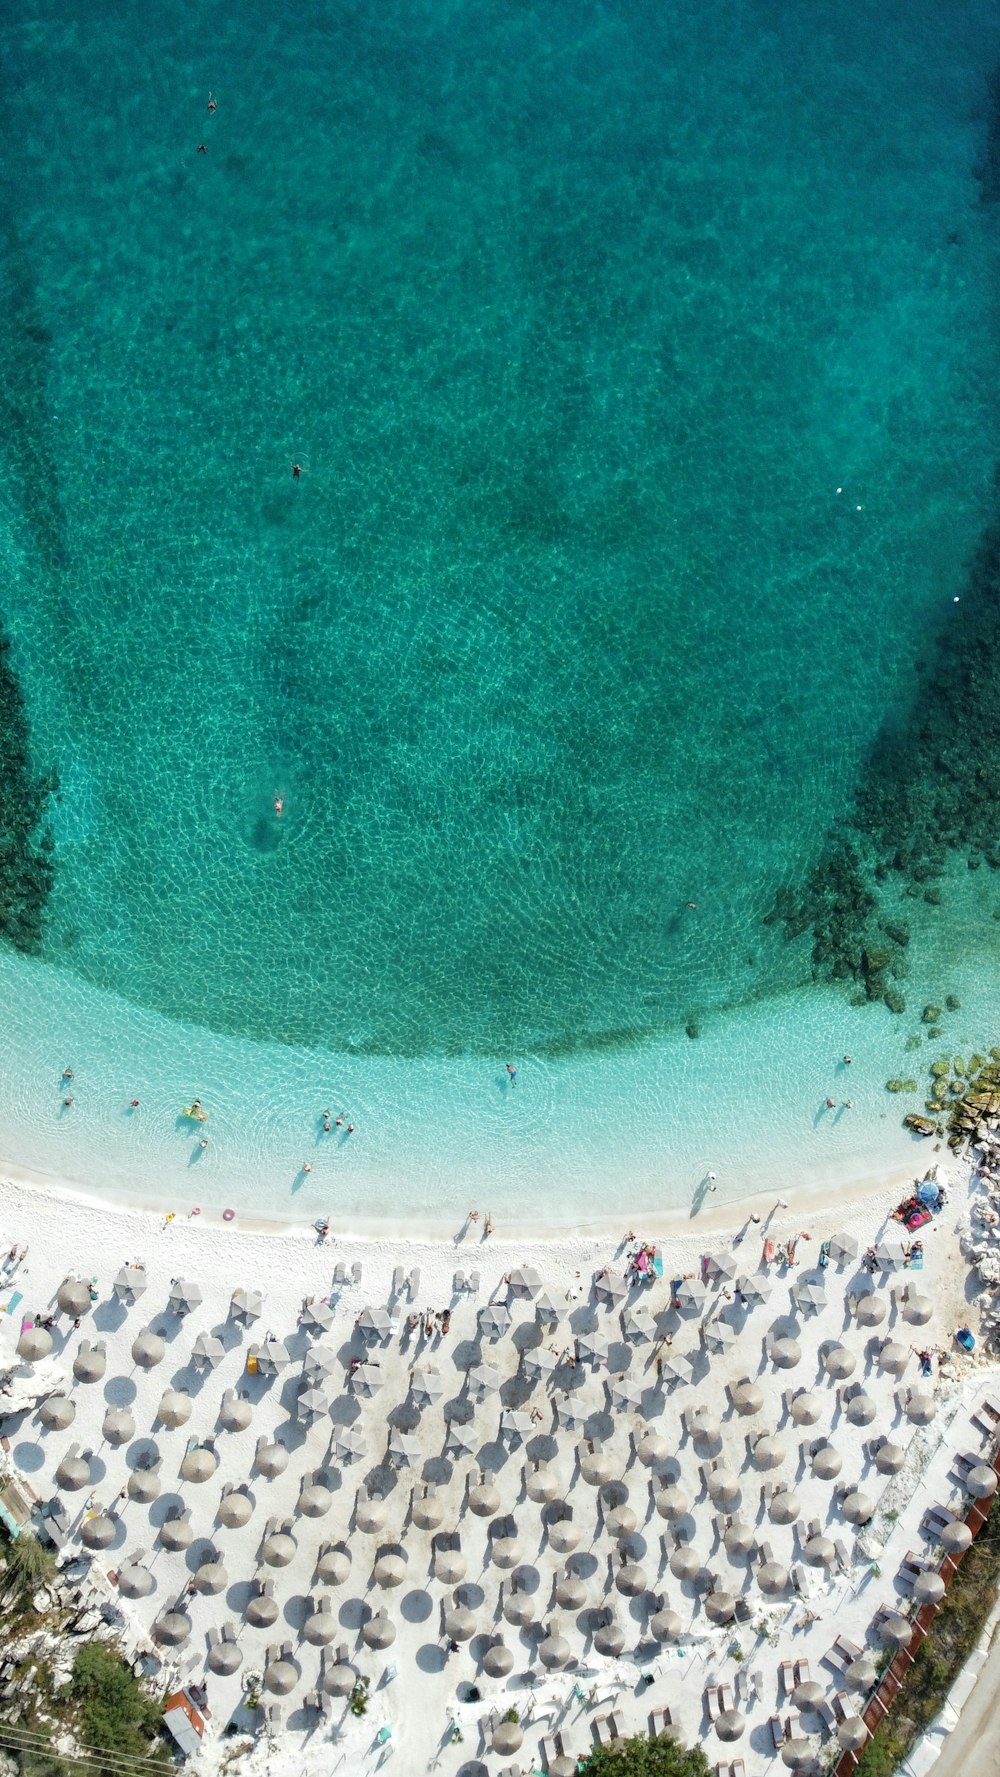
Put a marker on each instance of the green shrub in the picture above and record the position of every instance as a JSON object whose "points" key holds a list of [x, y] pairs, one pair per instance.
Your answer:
{"points": [[115, 1714], [640, 1757]]}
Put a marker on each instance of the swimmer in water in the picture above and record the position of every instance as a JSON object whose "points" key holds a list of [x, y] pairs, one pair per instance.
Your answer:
{"points": [[212, 106], [279, 806]]}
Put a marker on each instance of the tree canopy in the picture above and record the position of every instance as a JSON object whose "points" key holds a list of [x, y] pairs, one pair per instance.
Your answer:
{"points": [[641, 1757]]}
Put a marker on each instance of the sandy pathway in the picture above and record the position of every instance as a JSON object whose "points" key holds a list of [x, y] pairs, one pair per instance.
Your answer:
{"points": [[975, 1744]]}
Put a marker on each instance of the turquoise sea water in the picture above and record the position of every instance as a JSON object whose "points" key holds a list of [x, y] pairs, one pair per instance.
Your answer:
{"points": [[640, 361]]}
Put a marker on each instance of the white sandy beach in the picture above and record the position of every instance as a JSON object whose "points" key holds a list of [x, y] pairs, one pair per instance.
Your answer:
{"points": [[419, 1687]]}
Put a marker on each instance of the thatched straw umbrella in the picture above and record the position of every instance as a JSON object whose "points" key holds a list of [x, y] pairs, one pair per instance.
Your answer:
{"points": [[672, 1503], [148, 1349], [172, 1629], [893, 1357], [731, 1725], [270, 1459], [819, 1551], [211, 1578], [235, 1411], [860, 1409], [459, 1624], [135, 1580], [917, 1308], [90, 1362], [610, 1639], [389, 1571], [720, 1606], [784, 1507], [235, 1509], [176, 1532], [665, 1625], [929, 1588], [956, 1538], [199, 1464], [320, 1625], [631, 1579], [74, 1297], [785, 1354], [652, 1449], [981, 1481], [278, 1549], [505, 1551], [449, 1566], [334, 1565], [554, 1652], [73, 1474], [597, 1469], [869, 1310], [806, 1408], [826, 1462], [857, 1507], [484, 1500], [772, 1577], [507, 1737], [144, 1483], [541, 1486], [118, 1426], [839, 1362], [748, 1398], [571, 1593], [225, 1658], [58, 1412], [498, 1659], [684, 1563], [280, 1677], [889, 1458], [339, 1679], [315, 1500], [262, 1608], [852, 1733], [99, 1532], [894, 1630], [564, 1536], [769, 1452], [920, 1406], [428, 1512], [34, 1344], [370, 1516], [174, 1408]]}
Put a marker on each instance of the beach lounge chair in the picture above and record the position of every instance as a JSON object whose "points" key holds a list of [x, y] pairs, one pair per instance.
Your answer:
{"points": [[842, 1554], [397, 1280], [712, 1704], [551, 1747], [605, 1730], [826, 1715], [413, 1283], [787, 1678], [473, 1284], [842, 1706], [777, 1728], [339, 1275], [659, 1721], [802, 1672], [986, 1418], [726, 1698], [355, 1272]]}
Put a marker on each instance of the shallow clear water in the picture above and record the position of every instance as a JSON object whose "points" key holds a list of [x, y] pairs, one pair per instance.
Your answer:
{"points": [[639, 362]]}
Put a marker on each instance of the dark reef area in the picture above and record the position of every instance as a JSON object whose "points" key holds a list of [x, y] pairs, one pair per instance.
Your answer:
{"points": [[26, 845], [930, 790]]}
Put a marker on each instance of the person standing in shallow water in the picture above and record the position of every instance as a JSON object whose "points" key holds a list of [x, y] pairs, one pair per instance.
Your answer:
{"points": [[512, 1073]]}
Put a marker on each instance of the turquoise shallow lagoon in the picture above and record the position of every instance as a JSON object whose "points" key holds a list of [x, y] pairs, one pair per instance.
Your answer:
{"points": [[640, 361]]}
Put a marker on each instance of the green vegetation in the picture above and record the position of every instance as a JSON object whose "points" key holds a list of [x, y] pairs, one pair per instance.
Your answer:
{"points": [[942, 1654], [114, 1713], [30, 1564], [358, 1704], [646, 1758]]}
